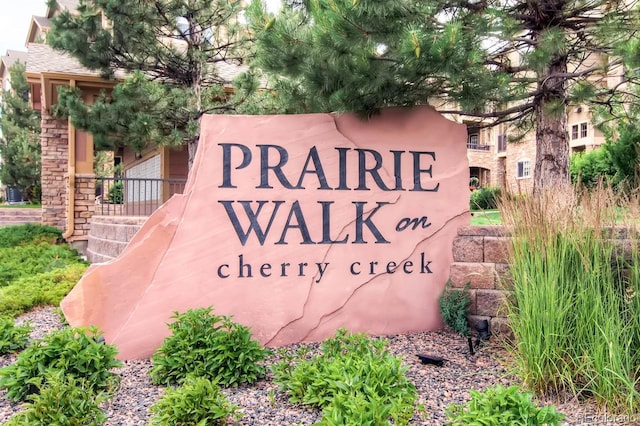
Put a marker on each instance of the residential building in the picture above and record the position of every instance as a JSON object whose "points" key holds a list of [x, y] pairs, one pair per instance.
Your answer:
{"points": [[497, 161]]}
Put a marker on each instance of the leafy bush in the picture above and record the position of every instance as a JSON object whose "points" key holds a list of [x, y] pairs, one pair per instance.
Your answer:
{"points": [[32, 259], [12, 337], [486, 198], [74, 352], [588, 168], [209, 346], [62, 400], [47, 288], [354, 380], [624, 154], [197, 401], [11, 236], [116, 193], [498, 406], [454, 307]]}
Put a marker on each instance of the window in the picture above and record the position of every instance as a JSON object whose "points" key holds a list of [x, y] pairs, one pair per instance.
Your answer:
{"points": [[583, 130], [574, 131], [502, 143], [524, 169], [579, 131], [473, 139]]}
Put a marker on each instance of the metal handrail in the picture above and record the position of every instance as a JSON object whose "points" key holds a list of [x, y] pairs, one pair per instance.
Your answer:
{"points": [[122, 196], [478, 146]]}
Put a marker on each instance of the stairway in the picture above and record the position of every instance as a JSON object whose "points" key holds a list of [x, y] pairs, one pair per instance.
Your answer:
{"points": [[19, 216], [109, 235]]}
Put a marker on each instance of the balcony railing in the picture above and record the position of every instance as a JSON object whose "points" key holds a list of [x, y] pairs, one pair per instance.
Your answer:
{"points": [[478, 147], [116, 196]]}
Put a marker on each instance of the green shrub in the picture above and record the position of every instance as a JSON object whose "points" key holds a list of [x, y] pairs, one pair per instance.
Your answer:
{"points": [[74, 352], [454, 308], [11, 236], [209, 346], [498, 406], [486, 198], [31, 259], [354, 380], [12, 337], [588, 168], [198, 401], [47, 288], [62, 400], [116, 193]]}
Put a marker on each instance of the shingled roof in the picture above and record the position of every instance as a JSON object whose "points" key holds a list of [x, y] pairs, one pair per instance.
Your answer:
{"points": [[44, 59], [12, 57], [70, 5]]}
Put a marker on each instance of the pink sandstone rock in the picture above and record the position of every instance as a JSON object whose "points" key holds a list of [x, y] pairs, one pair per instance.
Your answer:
{"points": [[332, 243]]}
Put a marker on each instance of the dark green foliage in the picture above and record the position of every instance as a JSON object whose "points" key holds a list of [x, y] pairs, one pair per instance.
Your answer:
{"points": [[12, 337], [590, 168], [116, 193], [486, 198], [498, 406], [198, 401], [62, 400], [616, 163], [174, 53], [210, 346], [20, 141], [11, 236], [73, 352], [354, 380], [32, 259], [624, 155], [47, 288], [346, 55], [454, 307]]}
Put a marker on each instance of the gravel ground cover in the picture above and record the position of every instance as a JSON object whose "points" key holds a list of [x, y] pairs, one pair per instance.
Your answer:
{"points": [[262, 404]]}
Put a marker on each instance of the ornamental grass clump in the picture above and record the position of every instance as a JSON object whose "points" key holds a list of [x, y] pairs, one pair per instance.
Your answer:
{"points": [[206, 345], [575, 313], [354, 380]]}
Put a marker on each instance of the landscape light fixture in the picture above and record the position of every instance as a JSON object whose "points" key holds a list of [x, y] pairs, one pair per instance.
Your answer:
{"points": [[482, 327]]}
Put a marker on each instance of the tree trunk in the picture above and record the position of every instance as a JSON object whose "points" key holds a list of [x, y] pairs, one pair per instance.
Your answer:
{"points": [[552, 141], [192, 147]]}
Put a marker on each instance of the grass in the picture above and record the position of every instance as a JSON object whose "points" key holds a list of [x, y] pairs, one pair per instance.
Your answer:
{"points": [[574, 311], [486, 217], [21, 206]]}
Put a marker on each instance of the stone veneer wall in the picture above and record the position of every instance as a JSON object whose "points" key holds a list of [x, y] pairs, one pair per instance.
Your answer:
{"points": [[480, 259], [84, 205], [54, 141]]}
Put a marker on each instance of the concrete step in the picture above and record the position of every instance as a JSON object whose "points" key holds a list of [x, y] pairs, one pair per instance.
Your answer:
{"points": [[109, 235], [19, 216]]}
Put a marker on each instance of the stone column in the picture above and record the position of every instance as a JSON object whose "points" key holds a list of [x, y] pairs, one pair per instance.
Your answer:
{"points": [[54, 141], [84, 205]]}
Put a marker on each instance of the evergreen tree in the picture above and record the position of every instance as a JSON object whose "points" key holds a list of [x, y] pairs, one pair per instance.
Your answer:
{"points": [[624, 155], [523, 62], [173, 51], [20, 144]]}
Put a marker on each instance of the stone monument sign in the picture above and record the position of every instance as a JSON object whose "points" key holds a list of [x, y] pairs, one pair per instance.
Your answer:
{"points": [[296, 225]]}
